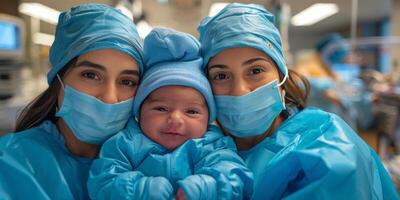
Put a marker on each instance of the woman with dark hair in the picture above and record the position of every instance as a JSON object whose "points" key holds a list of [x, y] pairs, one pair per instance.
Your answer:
{"points": [[295, 152], [96, 61]]}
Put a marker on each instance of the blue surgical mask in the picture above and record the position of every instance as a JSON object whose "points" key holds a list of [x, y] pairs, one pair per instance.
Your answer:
{"points": [[251, 114], [91, 120]]}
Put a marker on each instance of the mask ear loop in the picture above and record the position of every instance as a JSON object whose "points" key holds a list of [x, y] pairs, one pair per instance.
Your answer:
{"points": [[61, 82], [281, 83], [285, 77], [63, 86]]}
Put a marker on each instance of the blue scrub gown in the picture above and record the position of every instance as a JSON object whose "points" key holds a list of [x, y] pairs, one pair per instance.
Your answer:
{"points": [[35, 164], [316, 155], [131, 166]]}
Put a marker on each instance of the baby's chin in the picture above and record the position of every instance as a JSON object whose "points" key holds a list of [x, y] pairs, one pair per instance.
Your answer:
{"points": [[173, 145]]}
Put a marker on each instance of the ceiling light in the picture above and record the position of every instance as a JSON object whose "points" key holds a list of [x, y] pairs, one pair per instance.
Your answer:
{"points": [[43, 39], [215, 8], [39, 11], [163, 1], [314, 14]]}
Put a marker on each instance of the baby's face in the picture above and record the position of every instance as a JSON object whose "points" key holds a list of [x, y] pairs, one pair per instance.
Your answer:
{"points": [[171, 115]]}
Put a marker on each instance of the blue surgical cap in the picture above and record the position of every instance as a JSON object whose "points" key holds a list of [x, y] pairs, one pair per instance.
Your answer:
{"points": [[332, 48], [173, 58], [91, 27], [241, 25]]}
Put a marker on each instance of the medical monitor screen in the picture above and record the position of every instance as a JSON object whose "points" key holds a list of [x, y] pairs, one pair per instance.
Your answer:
{"points": [[9, 36]]}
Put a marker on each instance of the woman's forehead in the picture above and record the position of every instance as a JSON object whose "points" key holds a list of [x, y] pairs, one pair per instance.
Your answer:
{"points": [[239, 57], [109, 59]]}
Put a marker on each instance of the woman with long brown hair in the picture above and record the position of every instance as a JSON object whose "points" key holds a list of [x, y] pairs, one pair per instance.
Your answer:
{"points": [[295, 152], [96, 60]]}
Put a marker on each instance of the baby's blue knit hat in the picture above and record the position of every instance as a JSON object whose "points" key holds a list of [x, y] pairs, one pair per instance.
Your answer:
{"points": [[173, 58]]}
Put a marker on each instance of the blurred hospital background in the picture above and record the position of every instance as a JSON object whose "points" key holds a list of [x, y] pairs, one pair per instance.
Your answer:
{"points": [[349, 50]]}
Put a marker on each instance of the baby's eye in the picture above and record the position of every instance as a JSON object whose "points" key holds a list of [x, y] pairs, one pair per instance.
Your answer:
{"points": [[160, 109], [90, 75], [192, 112]]}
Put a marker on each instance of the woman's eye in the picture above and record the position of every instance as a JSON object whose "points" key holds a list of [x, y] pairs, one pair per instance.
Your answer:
{"points": [[220, 76], [129, 83], [90, 75], [256, 71]]}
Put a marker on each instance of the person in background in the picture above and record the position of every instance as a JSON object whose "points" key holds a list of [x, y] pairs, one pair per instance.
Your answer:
{"points": [[96, 61], [330, 49], [295, 152], [176, 151], [335, 83]]}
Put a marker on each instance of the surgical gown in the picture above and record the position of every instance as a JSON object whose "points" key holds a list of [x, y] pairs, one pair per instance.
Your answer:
{"points": [[35, 164], [131, 166], [316, 155]]}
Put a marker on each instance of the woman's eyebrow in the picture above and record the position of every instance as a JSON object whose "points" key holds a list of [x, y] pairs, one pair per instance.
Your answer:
{"points": [[130, 72], [87, 63], [247, 62], [217, 66], [252, 60]]}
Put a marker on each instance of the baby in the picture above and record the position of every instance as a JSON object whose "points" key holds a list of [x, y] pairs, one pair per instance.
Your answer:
{"points": [[176, 152]]}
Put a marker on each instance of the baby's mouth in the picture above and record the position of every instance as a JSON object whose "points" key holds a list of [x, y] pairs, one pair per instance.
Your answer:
{"points": [[172, 133]]}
